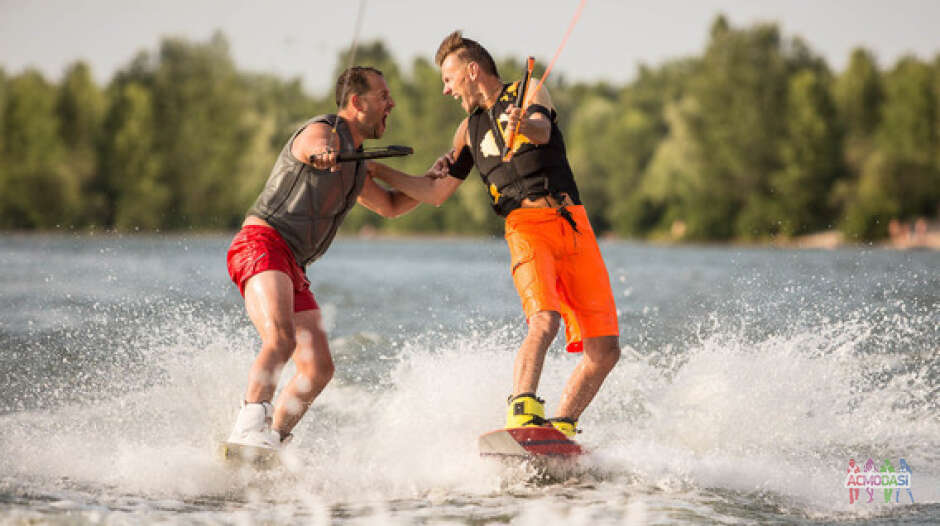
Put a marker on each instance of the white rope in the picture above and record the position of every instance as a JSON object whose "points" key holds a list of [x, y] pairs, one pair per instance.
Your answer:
{"points": [[352, 54]]}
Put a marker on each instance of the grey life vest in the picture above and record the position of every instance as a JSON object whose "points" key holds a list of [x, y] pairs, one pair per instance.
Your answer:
{"points": [[306, 205]]}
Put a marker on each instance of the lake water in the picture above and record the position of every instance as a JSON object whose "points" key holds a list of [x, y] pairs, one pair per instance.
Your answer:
{"points": [[749, 378]]}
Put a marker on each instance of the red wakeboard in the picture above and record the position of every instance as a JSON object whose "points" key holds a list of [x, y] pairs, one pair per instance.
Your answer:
{"points": [[528, 442]]}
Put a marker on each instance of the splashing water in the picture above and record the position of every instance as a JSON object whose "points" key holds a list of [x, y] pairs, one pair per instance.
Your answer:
{"points": [[739, 397]]}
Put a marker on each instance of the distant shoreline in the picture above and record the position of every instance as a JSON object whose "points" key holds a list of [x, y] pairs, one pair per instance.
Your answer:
{"points": [[826, 240]]}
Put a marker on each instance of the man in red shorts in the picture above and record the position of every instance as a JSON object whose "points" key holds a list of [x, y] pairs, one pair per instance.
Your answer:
{"points": [[556, 263], [290, 225]]}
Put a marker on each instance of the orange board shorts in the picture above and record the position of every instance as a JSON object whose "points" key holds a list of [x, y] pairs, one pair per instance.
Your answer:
{"points": [[257, 248], [557, 269]]}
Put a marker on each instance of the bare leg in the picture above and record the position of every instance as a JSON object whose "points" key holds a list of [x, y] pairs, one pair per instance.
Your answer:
{"points": [[269, 300], [543, 326], [600, 356], [314, 371]]}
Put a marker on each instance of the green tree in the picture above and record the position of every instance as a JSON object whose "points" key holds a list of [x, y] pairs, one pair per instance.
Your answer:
{"points": [[751, 139], [910, 138], [80, 109], [936, 85], [741, 92], [648, 116], [286, 103], [902, 180], [812, 157], [35, 191], [870, 208], [908, 131], [674, 199], [138, 195], [3, 150], [858, 95], [205, 129]]}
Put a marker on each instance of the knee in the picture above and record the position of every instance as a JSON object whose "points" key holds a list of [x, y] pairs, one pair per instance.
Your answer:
{"points": [[318, 370], [321, 372], [281, 343], [544, 324], [604, 356]]}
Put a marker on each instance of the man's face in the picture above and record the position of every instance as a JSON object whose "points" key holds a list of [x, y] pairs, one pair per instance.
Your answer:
{"points": [[456, 79], [376, 104]]}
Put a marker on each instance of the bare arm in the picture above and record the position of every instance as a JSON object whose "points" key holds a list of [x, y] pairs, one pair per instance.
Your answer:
{"points": [[426, 189], [386, 203], [436, 186]]}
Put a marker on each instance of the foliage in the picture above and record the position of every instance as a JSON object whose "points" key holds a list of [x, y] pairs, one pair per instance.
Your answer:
{"points": [[753, 139]]}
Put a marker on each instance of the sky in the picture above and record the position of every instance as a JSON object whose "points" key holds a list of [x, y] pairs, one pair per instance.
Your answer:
{"points": [[302, 38]]}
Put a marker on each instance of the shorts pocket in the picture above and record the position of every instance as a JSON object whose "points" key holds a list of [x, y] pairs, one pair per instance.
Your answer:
{"points": [[520, 251]]}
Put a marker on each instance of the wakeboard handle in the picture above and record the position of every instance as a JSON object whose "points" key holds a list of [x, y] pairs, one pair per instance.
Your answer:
{"points": [[521, 102], [375, 153]]}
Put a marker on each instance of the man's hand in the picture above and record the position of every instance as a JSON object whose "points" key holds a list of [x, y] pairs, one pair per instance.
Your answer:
{"points": [[536, 128], [324, 157], [325, 160], [515, 118], [441, 167]]}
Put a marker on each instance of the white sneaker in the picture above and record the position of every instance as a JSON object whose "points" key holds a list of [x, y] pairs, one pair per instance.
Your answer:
{"points": [[253, 427]]}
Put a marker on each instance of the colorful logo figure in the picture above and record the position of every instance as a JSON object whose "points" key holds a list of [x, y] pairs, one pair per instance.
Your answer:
{"points": [[853, 492], [886, 478], [870, 467], [905, 469], [887, 468]]}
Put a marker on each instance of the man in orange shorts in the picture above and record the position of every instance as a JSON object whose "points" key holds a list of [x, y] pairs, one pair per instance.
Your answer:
{"points": [[556, 263], [290, 225]]}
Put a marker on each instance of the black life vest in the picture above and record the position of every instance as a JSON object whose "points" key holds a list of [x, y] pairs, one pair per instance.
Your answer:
{"points": [[536, 170]]}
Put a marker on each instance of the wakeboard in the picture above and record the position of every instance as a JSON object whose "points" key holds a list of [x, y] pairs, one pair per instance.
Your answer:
{"points": [[239, 455], [528, 443]]}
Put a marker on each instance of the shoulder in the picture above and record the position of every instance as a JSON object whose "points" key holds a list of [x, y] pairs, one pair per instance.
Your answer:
{"points": [[322, 124], [319, 125], [541, 97], [311, 138]]}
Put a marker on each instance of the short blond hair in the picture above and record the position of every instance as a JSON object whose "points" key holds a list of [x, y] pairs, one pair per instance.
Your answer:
{"points": [[467, 50]]}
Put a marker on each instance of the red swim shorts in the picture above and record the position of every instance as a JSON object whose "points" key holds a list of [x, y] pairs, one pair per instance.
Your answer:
{"points": [[257, 248], [557, 269]]}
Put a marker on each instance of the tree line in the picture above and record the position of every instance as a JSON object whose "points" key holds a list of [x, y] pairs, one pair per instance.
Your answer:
{"points": [[755, 138]]}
